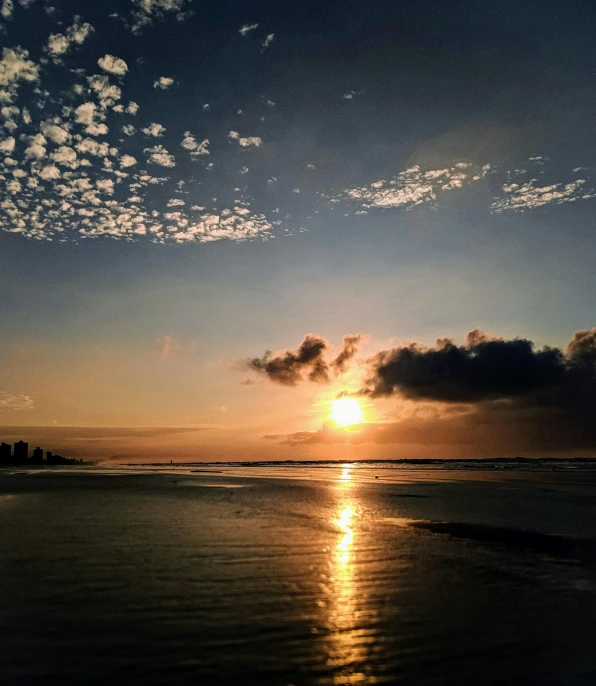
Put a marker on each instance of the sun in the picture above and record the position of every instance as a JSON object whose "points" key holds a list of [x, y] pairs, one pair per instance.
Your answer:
{"points": [[346, 411]]}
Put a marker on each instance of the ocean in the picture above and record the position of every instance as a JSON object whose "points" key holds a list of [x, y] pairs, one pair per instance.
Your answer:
{"points": [[374, 573]]}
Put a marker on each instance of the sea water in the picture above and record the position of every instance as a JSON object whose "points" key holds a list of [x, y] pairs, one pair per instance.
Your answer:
{"points": [[289, 575]]}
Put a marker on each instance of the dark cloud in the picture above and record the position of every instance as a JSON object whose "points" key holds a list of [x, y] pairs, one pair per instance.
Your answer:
{"points": [[349, 349], [583, 346], [490, 394], [483, 430], [289, 367], [483, 369], [309, 361]]}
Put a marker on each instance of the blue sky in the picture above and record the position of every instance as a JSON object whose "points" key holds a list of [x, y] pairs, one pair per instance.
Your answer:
{"points": [[185, 185]]}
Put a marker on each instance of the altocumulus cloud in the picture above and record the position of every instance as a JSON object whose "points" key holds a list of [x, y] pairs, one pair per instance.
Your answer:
{"points": [[514, 190], [68, 173], [80, 159], [113, 65], [147, 11]]}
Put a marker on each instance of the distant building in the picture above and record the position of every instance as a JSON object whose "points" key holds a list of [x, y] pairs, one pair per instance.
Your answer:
{"points": [[5, 453], [21, 452], [20, 456]]}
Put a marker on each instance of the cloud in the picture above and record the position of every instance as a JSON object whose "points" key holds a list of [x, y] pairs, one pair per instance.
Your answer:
{"points": [[501, 379], [146, 11], [85, 113], [250, 141], [49, 172], [163, 82], [60, 181], [247, 28], [267, 42], [127, 161], [412, 187], [36, 149], [154, 129], [196, 149], [7, 9], [350, 346], [54, 133], [530, 196], [289, 367], [417, 186], [89, 146], [583, 346], [66, 156], [108, 94], [59, 44], [492, 393], [7, 145], [113, 65], [481, 369], [159, 155], [15, 67], [18, 401], [166, 345]]}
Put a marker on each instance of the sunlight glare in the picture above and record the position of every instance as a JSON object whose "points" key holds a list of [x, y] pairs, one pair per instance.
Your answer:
{"points": [[346, 411]]}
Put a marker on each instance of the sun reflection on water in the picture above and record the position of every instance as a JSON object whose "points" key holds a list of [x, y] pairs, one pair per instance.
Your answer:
{"points": [[346, 474], [343, 549], [346, 645]]}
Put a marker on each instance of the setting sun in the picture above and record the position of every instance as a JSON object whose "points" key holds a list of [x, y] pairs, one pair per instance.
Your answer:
{"points": [[346, 411]]}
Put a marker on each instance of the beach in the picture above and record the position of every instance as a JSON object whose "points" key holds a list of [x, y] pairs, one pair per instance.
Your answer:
{"points": [[273, 575]]}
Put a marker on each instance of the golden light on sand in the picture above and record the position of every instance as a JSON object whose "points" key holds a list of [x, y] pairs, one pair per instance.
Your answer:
{"points": [[346, 411]]}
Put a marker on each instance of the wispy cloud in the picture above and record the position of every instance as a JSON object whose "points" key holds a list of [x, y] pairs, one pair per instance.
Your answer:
{"points": [[412, 187], [529, 195], [168, 346], [247, 28], [15, 401], [267, 42], [417, 186]]}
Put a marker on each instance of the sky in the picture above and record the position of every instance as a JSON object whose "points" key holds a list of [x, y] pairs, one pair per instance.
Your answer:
{"points": [[217, 217]]}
